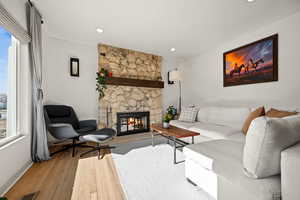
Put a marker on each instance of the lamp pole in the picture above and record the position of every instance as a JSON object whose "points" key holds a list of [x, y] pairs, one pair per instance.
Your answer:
{"points": [[179, 106]]}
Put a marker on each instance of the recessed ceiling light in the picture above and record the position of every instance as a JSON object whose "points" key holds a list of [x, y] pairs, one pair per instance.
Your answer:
{"points": [[99, 30], [250, 1], [172, 49]]}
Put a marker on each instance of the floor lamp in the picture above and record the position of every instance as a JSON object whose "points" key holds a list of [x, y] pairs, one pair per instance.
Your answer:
{"points": [[176, 77]]}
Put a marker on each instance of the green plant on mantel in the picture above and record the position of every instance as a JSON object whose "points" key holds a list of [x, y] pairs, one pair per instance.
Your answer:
{"points": [[101, 81]]}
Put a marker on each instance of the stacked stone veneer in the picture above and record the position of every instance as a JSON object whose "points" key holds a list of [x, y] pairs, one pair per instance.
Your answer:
{"points": [[127, 63]]}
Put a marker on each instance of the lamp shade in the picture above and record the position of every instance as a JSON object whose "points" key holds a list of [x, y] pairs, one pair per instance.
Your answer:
{"points": [[175, 75]]}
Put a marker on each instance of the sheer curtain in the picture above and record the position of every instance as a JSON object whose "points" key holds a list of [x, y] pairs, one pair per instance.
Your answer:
{"points": [[39, 148]]}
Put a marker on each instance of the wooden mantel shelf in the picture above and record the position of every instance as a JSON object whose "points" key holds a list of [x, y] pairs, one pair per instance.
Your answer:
{"points": [[134, 82]]}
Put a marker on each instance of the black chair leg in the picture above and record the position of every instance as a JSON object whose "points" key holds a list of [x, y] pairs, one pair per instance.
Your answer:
{"points": [[61, 150], [74, 143], [98, 149], [73, 146]]}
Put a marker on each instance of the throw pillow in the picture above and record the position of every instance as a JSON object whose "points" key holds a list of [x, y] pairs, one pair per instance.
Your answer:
{"points": [[279, 113], [253, 115], [265, 140], [188, 114]]}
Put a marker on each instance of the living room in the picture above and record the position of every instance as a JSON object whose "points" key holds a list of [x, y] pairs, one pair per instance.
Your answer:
{"points": [[149, 99]]}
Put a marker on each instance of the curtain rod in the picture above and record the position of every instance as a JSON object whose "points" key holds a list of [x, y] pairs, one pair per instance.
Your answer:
{"points": [[30, 3]]}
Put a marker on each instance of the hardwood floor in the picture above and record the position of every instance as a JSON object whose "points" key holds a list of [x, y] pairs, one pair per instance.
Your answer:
{"points": [[66, 177]]}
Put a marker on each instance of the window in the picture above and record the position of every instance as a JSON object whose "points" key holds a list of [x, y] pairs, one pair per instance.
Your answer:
{"points": [[9, 51]]}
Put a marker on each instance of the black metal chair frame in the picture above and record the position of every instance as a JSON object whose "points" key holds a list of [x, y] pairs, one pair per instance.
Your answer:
{"points": [[97, 148], [73, 146]]}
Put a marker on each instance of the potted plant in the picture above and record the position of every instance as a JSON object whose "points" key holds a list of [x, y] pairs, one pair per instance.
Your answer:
{"points": [[172, 111], [166, 120]]}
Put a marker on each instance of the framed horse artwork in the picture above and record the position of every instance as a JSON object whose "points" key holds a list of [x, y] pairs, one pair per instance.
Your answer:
{"points": [[256, 62]]}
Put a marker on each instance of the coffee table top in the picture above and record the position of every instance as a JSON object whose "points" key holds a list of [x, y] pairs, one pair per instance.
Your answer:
{"points": [[173, 131]]}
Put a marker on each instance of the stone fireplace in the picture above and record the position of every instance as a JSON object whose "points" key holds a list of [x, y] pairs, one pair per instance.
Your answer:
{"points": [[131, 64]]}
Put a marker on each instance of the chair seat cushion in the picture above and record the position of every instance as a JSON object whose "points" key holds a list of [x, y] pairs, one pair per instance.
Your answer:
{"points": [[224, 157], [98, 136]]}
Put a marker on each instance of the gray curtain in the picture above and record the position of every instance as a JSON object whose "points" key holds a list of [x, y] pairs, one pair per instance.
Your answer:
{"points": [[39, 145]]}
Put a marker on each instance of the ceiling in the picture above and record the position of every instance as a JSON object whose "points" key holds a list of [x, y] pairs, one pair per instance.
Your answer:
{"points": [[155, 26]]}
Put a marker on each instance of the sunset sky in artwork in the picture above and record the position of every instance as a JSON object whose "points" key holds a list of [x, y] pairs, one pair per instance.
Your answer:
{"points": [[262, 50]]}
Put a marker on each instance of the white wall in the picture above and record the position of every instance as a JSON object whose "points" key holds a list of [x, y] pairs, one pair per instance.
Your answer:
{"points": [[15, 157], [60, 87], [203, 75], [170, 92]]}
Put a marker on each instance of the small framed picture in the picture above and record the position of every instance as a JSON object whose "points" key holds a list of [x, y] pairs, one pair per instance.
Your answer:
{"points": [[170, 82], [74, 67]]}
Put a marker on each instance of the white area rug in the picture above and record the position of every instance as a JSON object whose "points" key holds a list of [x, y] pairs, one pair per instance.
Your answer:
{"points": [[148, 173]]}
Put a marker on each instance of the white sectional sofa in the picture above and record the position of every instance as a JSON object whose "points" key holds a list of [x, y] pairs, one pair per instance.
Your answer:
{"points": [[217, 123], [214, 162]]}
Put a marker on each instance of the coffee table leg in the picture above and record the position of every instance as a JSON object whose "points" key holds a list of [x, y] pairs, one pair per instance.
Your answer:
{"points": [[152, 138], [192, 139], [174, 143]]}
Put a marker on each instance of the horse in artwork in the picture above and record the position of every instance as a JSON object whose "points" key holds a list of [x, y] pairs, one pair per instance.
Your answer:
{"points": [[237, 70], [256, 63]]}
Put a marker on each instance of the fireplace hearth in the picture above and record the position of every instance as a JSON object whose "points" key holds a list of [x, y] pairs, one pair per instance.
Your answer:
{"points": [[132, 122]]}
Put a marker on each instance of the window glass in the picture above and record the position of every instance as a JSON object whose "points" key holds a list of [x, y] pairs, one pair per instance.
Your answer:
{"points": [[8, 83]]}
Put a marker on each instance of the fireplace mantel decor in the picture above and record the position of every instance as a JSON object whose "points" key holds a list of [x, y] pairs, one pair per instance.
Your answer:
{"points": [[134, 82]]}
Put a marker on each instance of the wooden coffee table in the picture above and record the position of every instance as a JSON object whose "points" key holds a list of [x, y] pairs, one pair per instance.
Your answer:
{"points": [[173, 133]]}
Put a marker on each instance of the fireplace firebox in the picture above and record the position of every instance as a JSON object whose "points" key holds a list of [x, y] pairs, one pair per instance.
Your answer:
{"points": [[132, 122]]}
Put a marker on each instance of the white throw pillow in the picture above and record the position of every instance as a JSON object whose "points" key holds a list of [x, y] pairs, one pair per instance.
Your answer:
{"points": [[188, 114], [265, 140]]}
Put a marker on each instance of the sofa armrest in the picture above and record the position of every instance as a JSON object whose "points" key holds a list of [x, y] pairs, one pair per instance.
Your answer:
{"points": [[290, 174], [62, 131]]}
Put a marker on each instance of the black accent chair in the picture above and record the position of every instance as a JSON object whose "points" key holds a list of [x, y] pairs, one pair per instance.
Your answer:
{"points": [[63, 124]]}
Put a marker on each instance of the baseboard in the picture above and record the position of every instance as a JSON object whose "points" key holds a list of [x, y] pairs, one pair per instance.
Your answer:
{"points": [[13, 180]]}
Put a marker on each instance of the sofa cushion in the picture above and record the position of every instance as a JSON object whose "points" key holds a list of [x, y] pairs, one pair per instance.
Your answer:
{"points": [[213, 130], [224, 157], [228, 116], [181, 124], [197, 139], [208, 153], [279, 113], [238, 137], [265, 140], [253, 115]]}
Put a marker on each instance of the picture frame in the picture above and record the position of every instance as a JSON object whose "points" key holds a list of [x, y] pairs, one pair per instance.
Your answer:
{"points": [[252, 63], [170, 82], [74, 67]]}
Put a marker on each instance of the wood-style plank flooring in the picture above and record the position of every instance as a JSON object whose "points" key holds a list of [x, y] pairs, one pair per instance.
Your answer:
{"points": [[66, 177]]}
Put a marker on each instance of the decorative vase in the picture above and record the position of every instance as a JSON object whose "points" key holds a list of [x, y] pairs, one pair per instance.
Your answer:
{"points": [[166, 125]]}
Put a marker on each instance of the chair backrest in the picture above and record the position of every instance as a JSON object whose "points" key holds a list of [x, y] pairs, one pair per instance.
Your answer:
{"points": [[60, 114]]}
